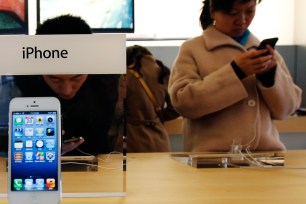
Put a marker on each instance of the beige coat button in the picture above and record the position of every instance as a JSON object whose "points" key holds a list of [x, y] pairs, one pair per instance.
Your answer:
{"points": [[252, 103]]}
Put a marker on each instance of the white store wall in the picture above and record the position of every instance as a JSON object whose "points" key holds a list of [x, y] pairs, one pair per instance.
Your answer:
{"points": [[161, 19], [275, 18], [299, 22], [179, 19]]}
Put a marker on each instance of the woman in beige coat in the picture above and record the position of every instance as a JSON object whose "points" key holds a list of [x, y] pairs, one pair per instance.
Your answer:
{"points": [[145, 128], [228, 93]]}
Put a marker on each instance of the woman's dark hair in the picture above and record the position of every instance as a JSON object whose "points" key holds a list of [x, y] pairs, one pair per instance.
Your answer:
{"points": [[217, 5], [64, 24], [134, 55]]}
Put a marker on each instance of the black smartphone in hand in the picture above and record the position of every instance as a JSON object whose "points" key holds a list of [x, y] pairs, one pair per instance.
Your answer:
{"points": [[269, 41]]}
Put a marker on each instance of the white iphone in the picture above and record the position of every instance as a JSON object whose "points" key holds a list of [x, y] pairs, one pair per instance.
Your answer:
{"points": [[34, 170]]}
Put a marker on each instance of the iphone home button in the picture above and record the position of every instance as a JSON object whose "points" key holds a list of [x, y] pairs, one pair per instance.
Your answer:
{"points": [[34, 199]]}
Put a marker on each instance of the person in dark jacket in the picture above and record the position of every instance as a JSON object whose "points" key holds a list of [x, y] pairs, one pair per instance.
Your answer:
{"points": [[87, 101]]}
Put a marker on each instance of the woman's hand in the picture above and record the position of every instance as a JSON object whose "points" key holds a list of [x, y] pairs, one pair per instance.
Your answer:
{"points": [[254, 62]]}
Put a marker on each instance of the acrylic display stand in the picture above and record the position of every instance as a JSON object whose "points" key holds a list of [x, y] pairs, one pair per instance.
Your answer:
{"points": [[100, 176]]}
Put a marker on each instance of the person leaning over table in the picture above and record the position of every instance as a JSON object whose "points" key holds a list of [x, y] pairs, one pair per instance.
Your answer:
{"points": [[226, 91], [87, 101]]}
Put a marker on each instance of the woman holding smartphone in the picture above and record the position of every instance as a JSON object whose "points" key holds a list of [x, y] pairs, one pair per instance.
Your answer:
{"points": [[229, 92]]}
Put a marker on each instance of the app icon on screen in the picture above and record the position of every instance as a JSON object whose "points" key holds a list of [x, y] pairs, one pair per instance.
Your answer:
{"points": [[50, 131], [28, 183], [39, 182], [40, 156], [50, 156], [50, 119], [29, 144], [50, 144], [50, 183], [39, 143], [18, 121], [29, 156], [18, 156], [29, 132], [18, 144], [17, 184], [39, 132], [18, 132], [39, 120], [29, 120]]}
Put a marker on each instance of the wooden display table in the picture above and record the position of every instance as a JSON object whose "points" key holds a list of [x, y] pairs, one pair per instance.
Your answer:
{"points": [[158, 178]]}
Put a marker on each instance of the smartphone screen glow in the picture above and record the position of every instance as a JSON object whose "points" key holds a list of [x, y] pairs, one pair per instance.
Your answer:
{"points": [[34, 151]]}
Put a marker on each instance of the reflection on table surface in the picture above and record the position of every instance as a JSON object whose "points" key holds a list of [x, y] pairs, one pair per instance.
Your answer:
{"points": [[159, 178], [79, 163]]}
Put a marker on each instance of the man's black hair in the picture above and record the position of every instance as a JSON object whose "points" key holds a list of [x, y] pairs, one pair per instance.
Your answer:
{"points": [[64, 24]]}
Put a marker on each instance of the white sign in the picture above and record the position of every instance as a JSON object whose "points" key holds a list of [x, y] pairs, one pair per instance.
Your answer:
{"points": [[62, 54]]}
